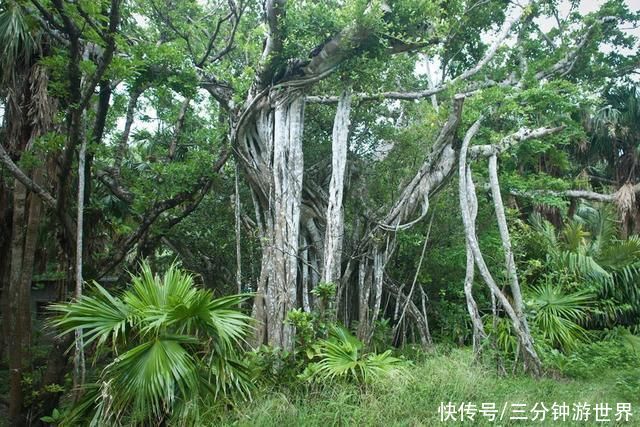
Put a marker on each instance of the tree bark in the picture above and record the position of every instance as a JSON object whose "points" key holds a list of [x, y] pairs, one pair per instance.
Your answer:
{"points": [[273, 140], [531, 360], [506, 240], [78, 360], [478, 328], [16, 356], [335, 218]]}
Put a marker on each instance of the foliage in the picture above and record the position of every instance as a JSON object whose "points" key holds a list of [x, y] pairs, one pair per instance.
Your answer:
{"points": [[445, 375], [591, 360], [168, 345], [316, 324], [341, 357], [592, 259], [557, 315]]}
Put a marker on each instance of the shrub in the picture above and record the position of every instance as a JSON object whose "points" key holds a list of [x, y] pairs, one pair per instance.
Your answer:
{"points": [[341, 356], [169, 345]]}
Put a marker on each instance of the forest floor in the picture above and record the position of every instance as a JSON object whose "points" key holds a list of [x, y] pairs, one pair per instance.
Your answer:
{"points": [[439, 379]]}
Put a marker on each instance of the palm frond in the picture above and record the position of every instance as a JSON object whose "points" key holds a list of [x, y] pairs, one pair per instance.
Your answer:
{"points": [[178, 346], [149, 376], [17, 42], [557, 314], [341, 356], [581, 265], [102, 317]]}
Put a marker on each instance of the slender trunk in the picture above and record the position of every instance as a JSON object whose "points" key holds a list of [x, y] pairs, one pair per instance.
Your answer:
{"points": [[78, 360], [364, 289], [335, 225], [305, 275], [506, 243], [476, 322], [420, 319], [427, 331], [379, 261], [506, 240], [415, 280], [531, 360], [238, 234]]}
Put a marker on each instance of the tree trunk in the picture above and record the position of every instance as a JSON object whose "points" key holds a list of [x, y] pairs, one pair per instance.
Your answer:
{"points": [[238, 234], [78, 360], [476, 322], [531, 360], [506, 242], [274, 142], [335, 217], [15, 352]]}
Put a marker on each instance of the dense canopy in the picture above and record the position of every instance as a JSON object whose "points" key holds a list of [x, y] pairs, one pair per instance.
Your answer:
{"points": [[200, 195]]}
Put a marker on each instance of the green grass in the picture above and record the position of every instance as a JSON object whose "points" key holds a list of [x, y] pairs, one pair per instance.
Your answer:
{"points": [[414, 400]]}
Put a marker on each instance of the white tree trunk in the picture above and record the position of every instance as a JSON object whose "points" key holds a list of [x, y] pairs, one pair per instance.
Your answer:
{"points": [[335, 217], [305, 275], [506, 240], [287, 195], [237, 208], [476, 322], [531, 360], [270, 148], [78, 360]]}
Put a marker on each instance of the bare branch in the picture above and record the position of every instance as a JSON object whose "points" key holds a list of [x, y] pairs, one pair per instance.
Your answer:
{"points": [[507, 142], [18, 174], [574, 194]]}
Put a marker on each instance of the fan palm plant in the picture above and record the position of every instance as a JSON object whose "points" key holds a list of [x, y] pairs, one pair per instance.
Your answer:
{"points": [[588, 249], [557, 314], [341, 356], [169, 345]]}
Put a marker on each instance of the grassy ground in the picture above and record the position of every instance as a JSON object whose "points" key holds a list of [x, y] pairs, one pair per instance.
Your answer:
{"points": [[414, 400]]}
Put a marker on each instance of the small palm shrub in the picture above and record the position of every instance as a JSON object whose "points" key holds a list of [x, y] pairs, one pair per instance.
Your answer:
{"points": [[169, 346], [341, 356], [588, 252], [557, 314]]}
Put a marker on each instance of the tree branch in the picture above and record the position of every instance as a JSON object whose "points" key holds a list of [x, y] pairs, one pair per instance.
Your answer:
{"points": [[523, 134], [18, 174], [574, 194]]}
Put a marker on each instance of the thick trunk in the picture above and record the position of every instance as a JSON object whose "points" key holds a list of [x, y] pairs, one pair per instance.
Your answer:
{"points": [[335, 225], [5, 248], [16, 332], [274, 144], [28, 264]]}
